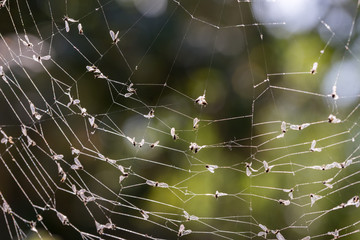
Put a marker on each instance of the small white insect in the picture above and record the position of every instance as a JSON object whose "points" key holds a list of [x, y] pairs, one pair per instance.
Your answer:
{"points": [[219, 194], [63, 219], [345, 164], [6, 207], [195, 148], [189, 217], [154, 144], [2, 74], [75, 151], [265, 231], [284, 202], [306, 238], [278, 235], [30, 142], [114, 36], [314, 198], [40, 59], [313, 148], [334, 94], [144, 214], [150, 115], [122, 177], [6, 139], [182, 231], [333, 119], [173, 134], [63, 177], [57, 157], [33, 226], [127, 95], [26, 42], [211, 168], [201, 100], [354, 201], [196, 123], [99, 228], [290, 191], [130, 88], [335, 234], [93, 69], [157, 184], [314, 68], [299, 127], [83, 111], [249, 169], [132, 140], [80, 28], [267, 167], [32, 109], [92, 122], [100, 76], [23, 130], [141, 143], [283, 127], [67, 20], [327, 183], [77, 165], [2, 3]]}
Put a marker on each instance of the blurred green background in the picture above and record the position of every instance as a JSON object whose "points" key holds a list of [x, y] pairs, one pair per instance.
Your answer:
{"points": [[174, 52]]}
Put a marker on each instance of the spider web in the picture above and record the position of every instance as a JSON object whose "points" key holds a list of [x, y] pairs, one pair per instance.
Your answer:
{"points": [[135, 119]]}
